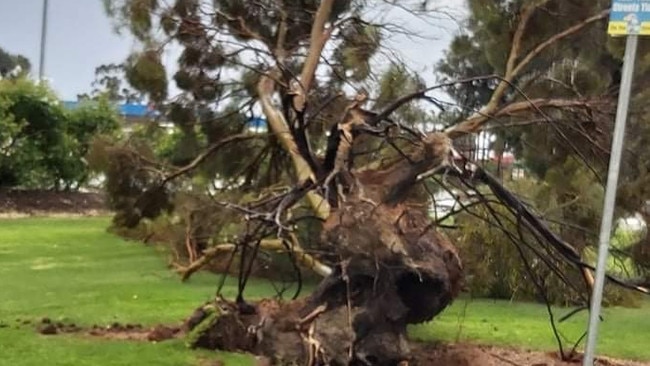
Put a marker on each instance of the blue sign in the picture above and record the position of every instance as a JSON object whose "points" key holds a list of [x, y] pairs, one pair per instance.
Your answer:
{"points": [[257, 124], [629, 17]]}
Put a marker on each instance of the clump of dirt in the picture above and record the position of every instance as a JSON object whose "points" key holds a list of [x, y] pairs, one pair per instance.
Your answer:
{"points": [[217, 327], [40, 202], [48, 327], [115, 330], [136, 332]]}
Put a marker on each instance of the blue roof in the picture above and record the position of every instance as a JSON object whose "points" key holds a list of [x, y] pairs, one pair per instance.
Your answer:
{"points": [[127, 110], [136, 110]]}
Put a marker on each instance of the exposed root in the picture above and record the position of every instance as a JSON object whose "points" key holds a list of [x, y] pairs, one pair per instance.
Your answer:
{"points": [[311, 316], [313, 345]]}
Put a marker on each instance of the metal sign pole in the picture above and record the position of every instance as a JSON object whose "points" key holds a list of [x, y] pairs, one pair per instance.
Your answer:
{"points": [[610, 196]]}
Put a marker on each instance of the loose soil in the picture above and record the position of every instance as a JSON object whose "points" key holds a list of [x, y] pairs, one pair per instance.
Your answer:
{"points": [[461, 354], [135, 332], [464, 354], [20, 203]]}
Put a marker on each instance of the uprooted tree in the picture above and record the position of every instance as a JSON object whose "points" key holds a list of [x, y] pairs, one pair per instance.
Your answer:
{"points": [[361, 173]]}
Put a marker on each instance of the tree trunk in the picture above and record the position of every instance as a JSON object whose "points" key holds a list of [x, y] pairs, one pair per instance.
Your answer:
{"points": [[395, 269]]}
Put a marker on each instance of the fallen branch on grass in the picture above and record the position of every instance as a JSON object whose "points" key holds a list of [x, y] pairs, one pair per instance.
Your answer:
{"points": [[305, 259]]}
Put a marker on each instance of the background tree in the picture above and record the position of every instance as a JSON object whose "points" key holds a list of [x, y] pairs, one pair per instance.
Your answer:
{"points": [[564, 150], [221, 65], [110, 83], [9, 62], [43, 145]]}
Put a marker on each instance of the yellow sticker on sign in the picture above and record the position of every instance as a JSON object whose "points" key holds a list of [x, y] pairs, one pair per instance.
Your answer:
{"points": [[629, 17], [622, 29]]}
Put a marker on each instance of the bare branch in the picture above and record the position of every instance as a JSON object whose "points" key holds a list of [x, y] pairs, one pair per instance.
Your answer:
{"points": [[516, 40], [281, 37], [318, 38], [554, 39], [303, 258], [281, 130], [209, 254], [476, 123], [544, 103], [209, 151], [422, 94], [567, 251], [245, 30]]}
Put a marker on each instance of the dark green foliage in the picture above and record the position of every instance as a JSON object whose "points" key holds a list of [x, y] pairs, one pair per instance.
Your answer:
{"points": [[181, 115], [359, 43], [396, 82], [566, 151], [146, 73], [90, 120], [484, 50], [262, 17], [43, 146], [228, 45], [184, 79], [466, 59], [109, 84], [218, 76], [140, 16], [9, 61], [132, 184], [184, 8], [494, 266], [168, 23]]}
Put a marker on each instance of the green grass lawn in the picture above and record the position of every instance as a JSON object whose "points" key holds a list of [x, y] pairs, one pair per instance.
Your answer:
{"points": [[72, 270], [625, 333]]}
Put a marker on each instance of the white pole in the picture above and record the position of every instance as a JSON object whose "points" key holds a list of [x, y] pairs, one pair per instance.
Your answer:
{"points": [[610, 196], [41, 64]]}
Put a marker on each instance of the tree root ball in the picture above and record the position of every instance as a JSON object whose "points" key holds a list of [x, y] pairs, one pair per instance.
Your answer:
{"points": [[395, 270]]}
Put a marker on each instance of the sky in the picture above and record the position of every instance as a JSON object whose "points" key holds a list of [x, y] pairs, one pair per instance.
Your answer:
{"points": [[80, 38]]}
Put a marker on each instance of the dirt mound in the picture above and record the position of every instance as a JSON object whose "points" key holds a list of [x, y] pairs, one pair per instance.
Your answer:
{"points": [[35, 202]]}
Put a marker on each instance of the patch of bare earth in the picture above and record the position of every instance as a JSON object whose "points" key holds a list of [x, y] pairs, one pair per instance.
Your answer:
{"points": [[16, 203], [423, 354], [475, 355], [134, 332]]}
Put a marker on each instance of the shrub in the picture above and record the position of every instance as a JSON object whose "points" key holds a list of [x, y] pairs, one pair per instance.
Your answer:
{"points": [[41, 144]]}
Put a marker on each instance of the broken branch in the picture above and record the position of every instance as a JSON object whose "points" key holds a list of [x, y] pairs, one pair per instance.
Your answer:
{"points": [[303, 258]]}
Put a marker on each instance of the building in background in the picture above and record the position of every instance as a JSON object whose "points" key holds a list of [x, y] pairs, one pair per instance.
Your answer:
{"points": [[131, 112]]}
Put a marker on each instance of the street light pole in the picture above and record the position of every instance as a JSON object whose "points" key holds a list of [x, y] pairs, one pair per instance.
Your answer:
{"points": [[41, 64], [610, 196]]}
